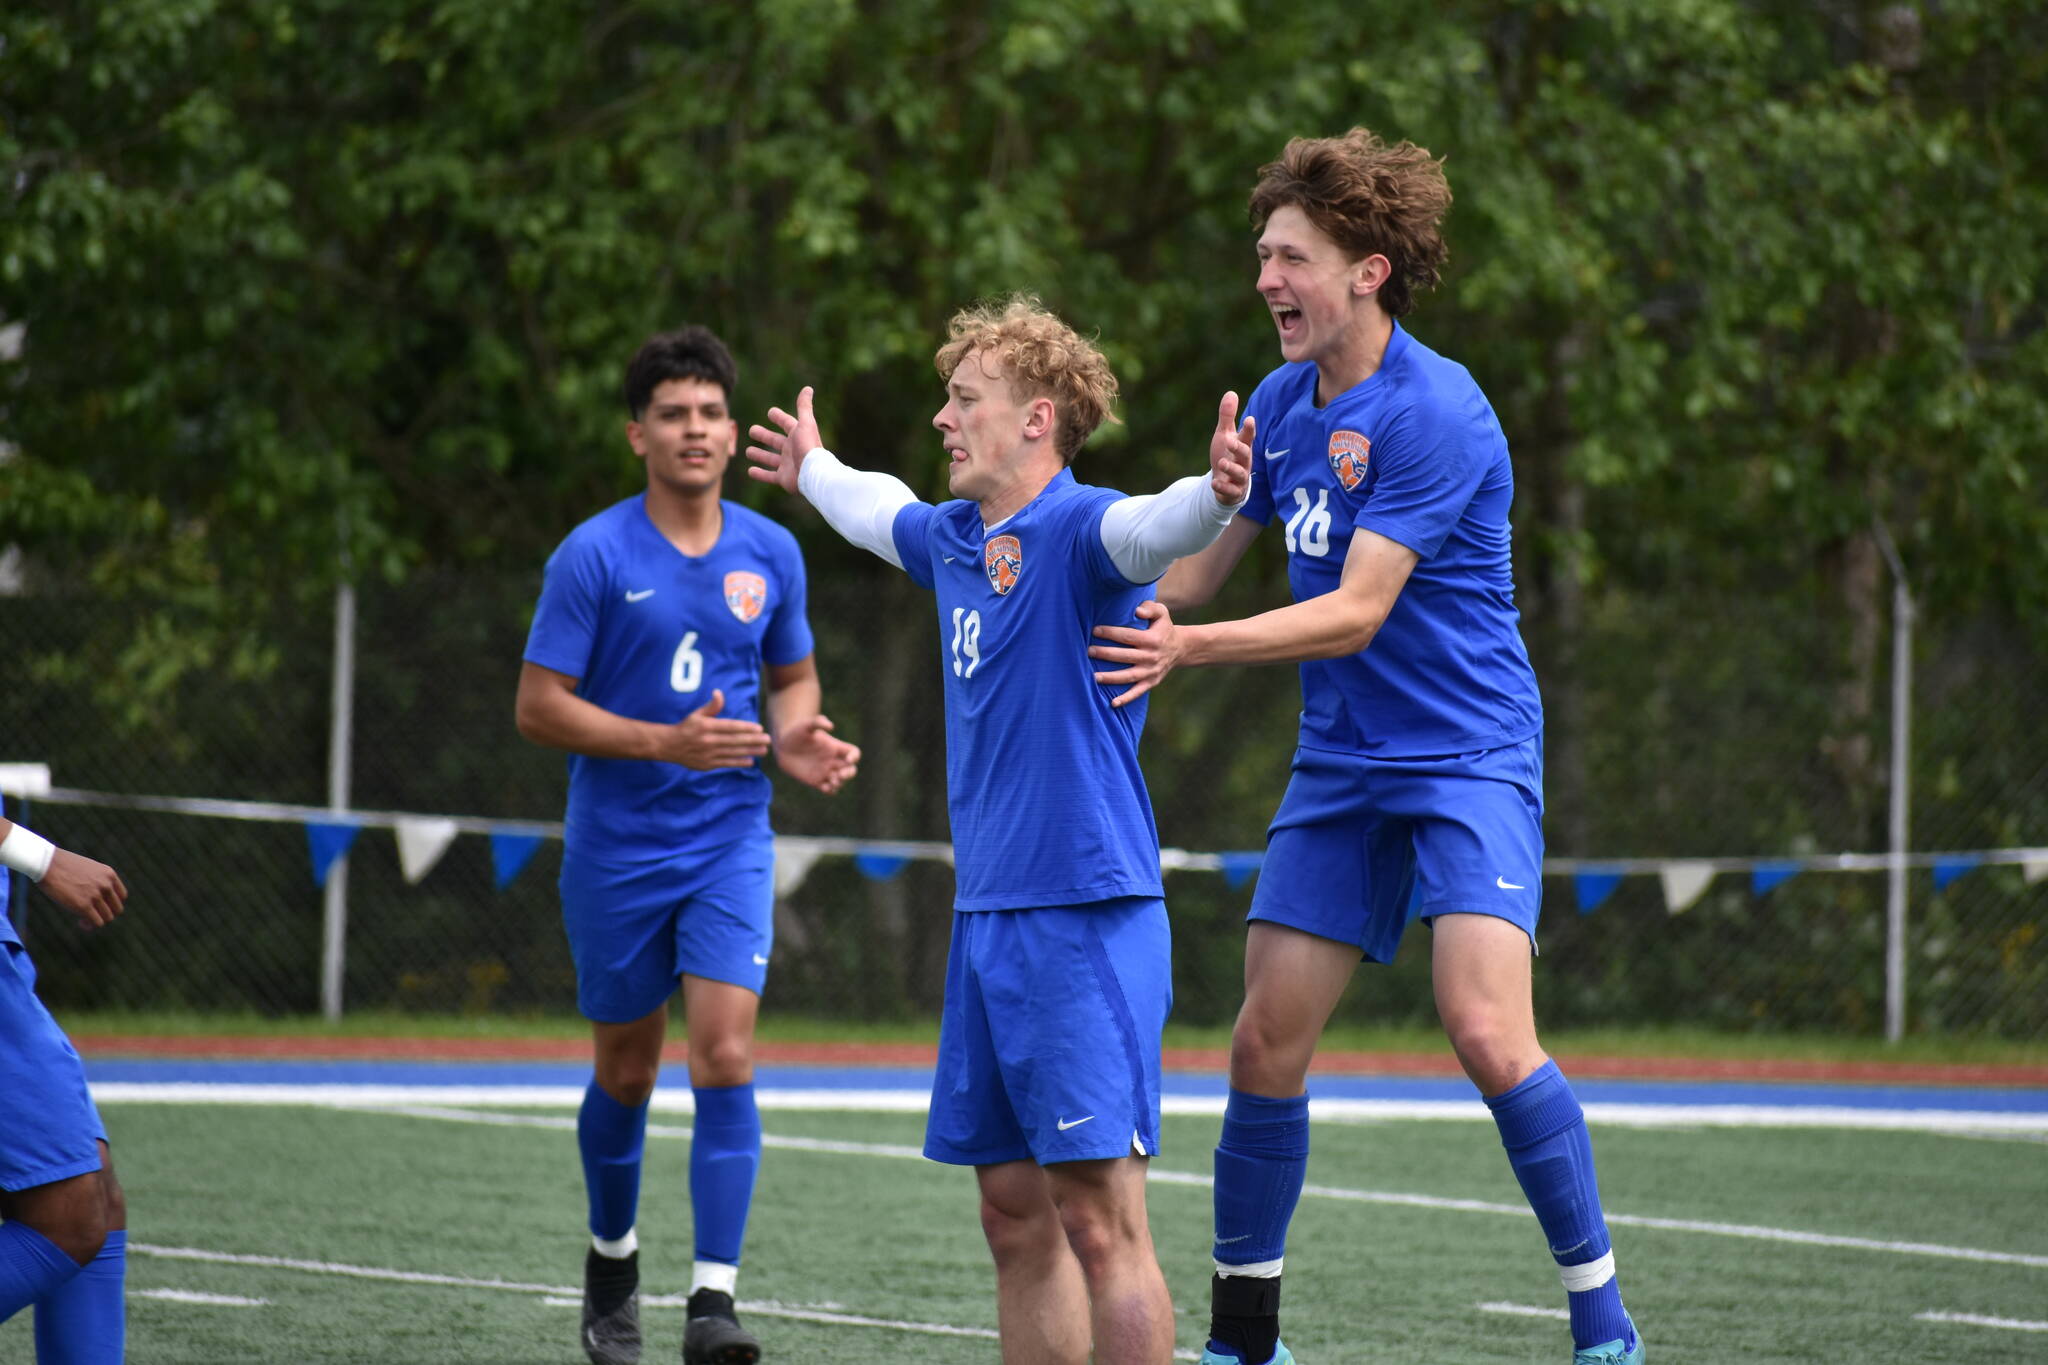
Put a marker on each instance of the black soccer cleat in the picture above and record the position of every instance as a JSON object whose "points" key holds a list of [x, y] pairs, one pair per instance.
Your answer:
{"points": [[714, 1335], [611, 1308]]}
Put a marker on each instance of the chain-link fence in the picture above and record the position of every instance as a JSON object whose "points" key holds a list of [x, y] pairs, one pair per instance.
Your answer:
{"points": [[1679, 726]]}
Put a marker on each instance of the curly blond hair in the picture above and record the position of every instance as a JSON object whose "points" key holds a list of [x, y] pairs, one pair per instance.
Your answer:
{"points": [[1041, 357], [1370, 198]]}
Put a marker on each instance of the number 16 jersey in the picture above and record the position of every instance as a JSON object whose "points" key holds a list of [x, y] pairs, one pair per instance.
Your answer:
{"points": [[1047, 801]]}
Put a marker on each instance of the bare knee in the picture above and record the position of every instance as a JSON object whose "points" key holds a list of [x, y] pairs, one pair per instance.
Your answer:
{"points": [[1266, 1056], [1021, 1232], [1496, 1051], [1100, 1238], [723, 1059], [72, 1214], [627, 1079]]}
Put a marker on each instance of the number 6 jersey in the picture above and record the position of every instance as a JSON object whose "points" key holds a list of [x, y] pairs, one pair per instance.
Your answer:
{"points": [[650, 633]]}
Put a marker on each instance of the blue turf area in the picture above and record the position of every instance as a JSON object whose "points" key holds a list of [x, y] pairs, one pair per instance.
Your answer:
{"points": [[121, 1072]]}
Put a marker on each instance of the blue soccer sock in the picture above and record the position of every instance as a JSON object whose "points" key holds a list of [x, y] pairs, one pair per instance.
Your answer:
{"points": [[1261, 1160], [84, 1320], [611, 1137], [1544, 1131], [31, 1265], [725, 1155]]}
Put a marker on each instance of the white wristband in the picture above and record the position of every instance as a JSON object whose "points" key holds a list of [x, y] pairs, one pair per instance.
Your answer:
{"points": [[24, 850]]}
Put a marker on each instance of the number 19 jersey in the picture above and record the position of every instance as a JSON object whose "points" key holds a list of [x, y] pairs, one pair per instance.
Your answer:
{"points": [[1047, 800], [649, 633]]}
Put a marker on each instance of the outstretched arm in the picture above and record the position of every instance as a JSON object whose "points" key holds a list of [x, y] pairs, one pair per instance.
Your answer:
{"points": [[1339, 622], [859, 505], [92, 891], [1145, 535]]}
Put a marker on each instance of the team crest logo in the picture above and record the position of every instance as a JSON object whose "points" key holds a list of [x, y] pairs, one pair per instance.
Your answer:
{"points": [[746, 594], [1348, 454], [1003, 557]]}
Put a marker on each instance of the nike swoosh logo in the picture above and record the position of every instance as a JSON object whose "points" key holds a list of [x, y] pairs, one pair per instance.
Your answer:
{"points": [[948, 558], [1064, 1125], [1226, 1241], [1504, 884], [640, 596], [760, 961], [1276, 454]]}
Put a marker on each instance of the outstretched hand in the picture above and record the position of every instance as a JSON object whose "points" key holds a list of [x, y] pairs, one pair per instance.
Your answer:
{"points": [[1230, 454], [1147, 655], [92, 891], [778, 455], [814, 756]]}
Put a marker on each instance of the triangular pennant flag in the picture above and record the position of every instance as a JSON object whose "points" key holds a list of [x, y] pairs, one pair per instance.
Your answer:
{"points": [[1239, 867], [1949, 868], [1593, 888], [1766, 876], [327, 842], [421, 844], [793, 861], [879, 867], [510, 853], [2034, 870], [1684, 883]]}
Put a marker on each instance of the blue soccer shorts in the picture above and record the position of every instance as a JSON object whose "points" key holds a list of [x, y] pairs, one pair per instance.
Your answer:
{"points": [[1361, 846], [49, 1129], [1049, 1038], [636, 928]]}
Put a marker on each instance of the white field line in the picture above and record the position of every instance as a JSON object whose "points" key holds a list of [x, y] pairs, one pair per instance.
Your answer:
{"points": [[554, 1293], [195, 1296], [1959, 1122], [1523, 1310], [1979, 1320], [1419, 1201]]}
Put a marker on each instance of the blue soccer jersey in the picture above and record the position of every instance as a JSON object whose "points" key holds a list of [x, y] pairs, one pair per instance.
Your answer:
{"points": [[1414, 453], [7, 931], [1047, 801], [650, 632]]}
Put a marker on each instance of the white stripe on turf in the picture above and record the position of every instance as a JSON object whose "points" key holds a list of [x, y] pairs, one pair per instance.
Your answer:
{"points": [[1523, 1310], [555, 1293], [1979, 1320], [1420, 1201], [195, 1296], [1960, 1122]]}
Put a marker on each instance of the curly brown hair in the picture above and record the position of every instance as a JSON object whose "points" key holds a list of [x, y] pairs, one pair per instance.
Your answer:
{"points": [[1370, 198], [1041, 357]]}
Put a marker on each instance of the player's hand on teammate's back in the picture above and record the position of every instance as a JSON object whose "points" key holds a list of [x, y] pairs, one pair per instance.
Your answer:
{"points": [[816, 757], [778, 455], [92, 891], [1147, 655], [702, 740], [1230, 454]]}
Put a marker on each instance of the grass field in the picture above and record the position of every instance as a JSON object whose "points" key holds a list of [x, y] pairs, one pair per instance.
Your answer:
{"points": [[443, 1237]]}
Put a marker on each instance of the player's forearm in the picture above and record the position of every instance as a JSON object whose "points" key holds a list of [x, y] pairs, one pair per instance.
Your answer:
{"points": [[793, 706], [859, 504], [1327, 627], [567, 721], [1145, 535]]}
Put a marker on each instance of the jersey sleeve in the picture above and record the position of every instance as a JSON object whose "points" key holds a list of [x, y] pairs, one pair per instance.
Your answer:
{"points": [[1429, 469], [1084, 523], [565, 621], [788, 637], [913, 535]]}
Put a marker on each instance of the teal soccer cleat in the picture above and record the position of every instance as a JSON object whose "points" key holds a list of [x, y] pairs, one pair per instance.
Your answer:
{"points": [[1281, 1356], [1626, 1350]]}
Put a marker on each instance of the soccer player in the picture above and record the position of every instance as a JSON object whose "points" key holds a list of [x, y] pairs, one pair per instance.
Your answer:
{"points": [[645, 662], [64, 1241], [1419, 770], [1057, 977]]}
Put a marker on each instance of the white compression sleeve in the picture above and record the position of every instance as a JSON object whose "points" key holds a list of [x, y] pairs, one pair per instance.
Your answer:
{"points": [[860, 505], [1145, 534]]}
